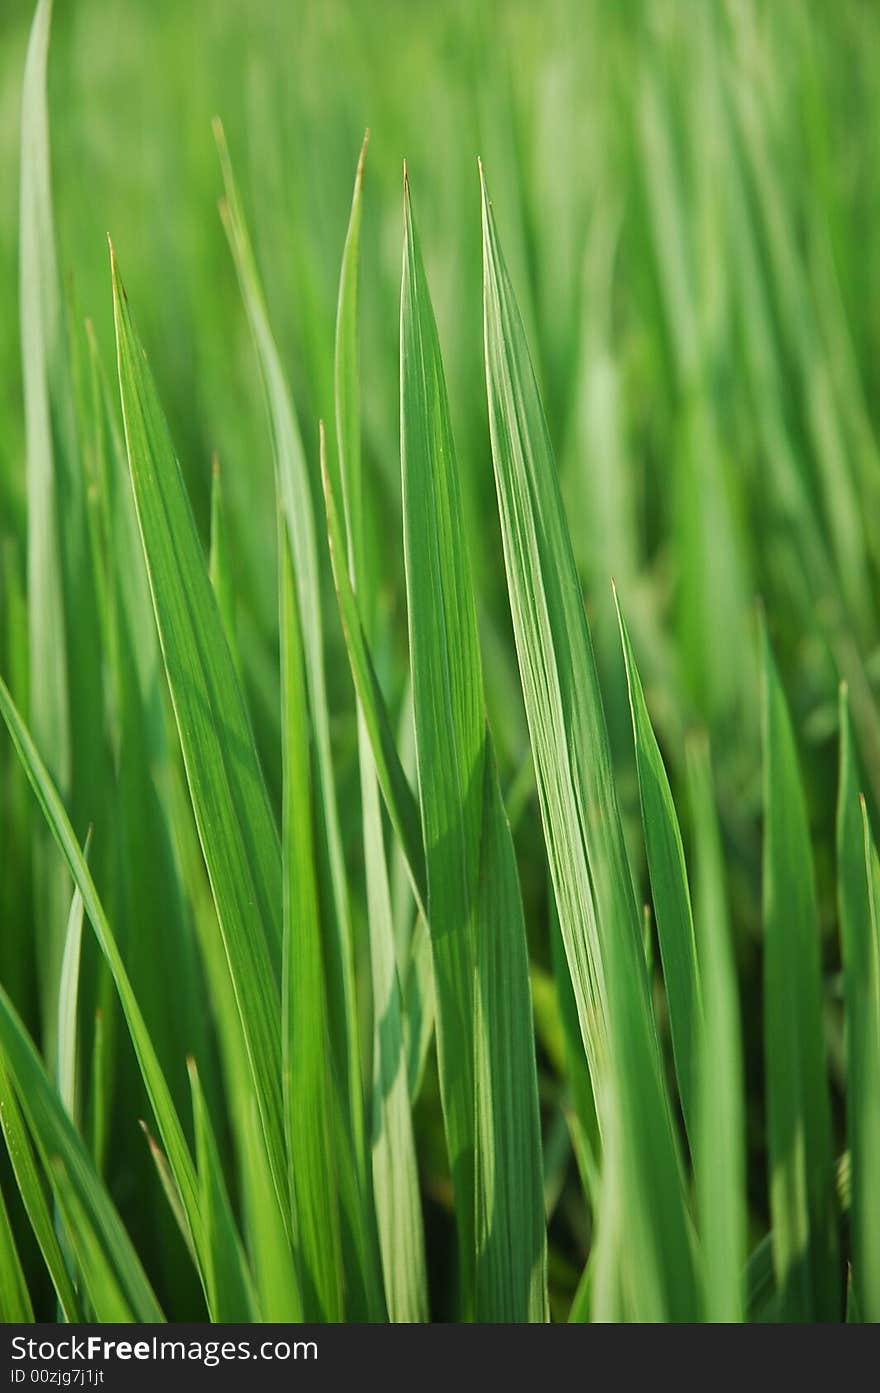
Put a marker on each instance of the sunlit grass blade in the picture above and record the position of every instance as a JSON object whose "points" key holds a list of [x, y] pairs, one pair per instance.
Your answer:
{"points": [[719, 1116], [860, 944], [236, 827], [295, 502], [485, 1033], [93, 1220], [219, 559], [68, 998], [310, 1104], [394, 1166], [592, 882], [227, 1279], [802, 1204], [669, 887]]}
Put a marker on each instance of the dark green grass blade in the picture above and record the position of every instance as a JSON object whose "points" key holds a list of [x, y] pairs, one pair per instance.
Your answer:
{"points": [[485, 1033], [33, 1198], [719, 1138], [802, 1205], [236, 828], [669, 887], [860, 945], [394, 1164], [591, 877], [310, 1103], [93, 1222]]}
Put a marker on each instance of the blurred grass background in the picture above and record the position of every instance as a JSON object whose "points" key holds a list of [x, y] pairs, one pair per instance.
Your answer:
{"points": [[688, 195]]}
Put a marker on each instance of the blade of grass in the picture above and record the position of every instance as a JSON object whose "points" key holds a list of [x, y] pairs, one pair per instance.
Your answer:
{"points": [[719, 1150], [68, 997], [669, 887], [802, 1205], [860, 945], [583, 835], [15, 1301], [237, 830], [394, 1166], [485, 1032]]}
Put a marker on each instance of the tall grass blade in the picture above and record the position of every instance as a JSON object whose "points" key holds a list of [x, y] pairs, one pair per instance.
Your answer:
{"points": [[802, 1204]]}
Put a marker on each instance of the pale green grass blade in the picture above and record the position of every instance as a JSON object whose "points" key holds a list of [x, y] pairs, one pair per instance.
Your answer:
{"points": [[394, 1165], [310, 1103], [15, 1301], [94, 1220], [485, 1032], [719, 1137], [669, 888], [592, 882], [860, 946], [68, 998], [30, 1189], [236, 827], [418, 1000], [227, 1279], [802, 1204], [105, 1292], [295, 501], [154, 1080], [275, 1278], [170, 1190]]}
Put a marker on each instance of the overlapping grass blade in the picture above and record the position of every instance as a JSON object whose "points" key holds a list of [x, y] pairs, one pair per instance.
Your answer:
{"points": [[395, 1174], [669, 887], [295, 503], [92, 1221], [860, 944], [484, 1020], [582, 827], [15, 1301], [154, 1080], [228, 1284], [238, 834], [68, 998], [719, 1136], [802, 1204]]}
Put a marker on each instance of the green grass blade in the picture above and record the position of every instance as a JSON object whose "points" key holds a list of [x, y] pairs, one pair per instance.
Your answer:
{"points": [[802, 1206], [860, 945], [394, 1166], [105, 1292], [94, 1220], [30, 1189], [154, 1080], [669, 887], [592, 882], [485, 1032], [310, 1104], [219, 560], [719, 1138], [227, 1279], [68, 997], [295, 501], [237, 830]]}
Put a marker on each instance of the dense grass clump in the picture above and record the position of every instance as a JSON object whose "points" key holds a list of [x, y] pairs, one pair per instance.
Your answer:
{"points": [[439, 662]]}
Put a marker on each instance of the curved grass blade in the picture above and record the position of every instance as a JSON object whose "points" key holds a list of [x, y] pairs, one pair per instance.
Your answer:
{"points": [[15, 1301], [860, 944], [394, 1166], [105, 1292], [592, 882], [236, 827], [485, 1031], [719, 1150], [93, 1221], [669, 887], [802, 1205]]}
